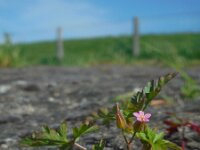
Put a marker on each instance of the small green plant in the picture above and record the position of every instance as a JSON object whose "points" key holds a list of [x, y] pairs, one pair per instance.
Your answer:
{"points": [[173, 59], [10, 56], [190, 89], [52, 137], [129, 117], [152, 140]]}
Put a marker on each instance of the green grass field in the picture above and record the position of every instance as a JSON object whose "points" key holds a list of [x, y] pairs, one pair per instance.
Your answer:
{"points": [[105, 50]]}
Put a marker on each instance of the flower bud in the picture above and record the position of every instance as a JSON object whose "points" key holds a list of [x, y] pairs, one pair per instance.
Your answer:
{"points": [[120, 120], [138, 126]]}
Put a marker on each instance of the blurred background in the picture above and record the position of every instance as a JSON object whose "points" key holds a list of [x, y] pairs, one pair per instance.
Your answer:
{"points": [[87, 33]]}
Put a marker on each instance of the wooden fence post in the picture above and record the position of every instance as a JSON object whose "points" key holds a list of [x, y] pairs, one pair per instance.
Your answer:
{"points": [[136, 38], [60, 47]]}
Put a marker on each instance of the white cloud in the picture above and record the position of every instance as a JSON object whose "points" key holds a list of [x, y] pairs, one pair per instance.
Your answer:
{"points": [[80, 18], [69, 14]]}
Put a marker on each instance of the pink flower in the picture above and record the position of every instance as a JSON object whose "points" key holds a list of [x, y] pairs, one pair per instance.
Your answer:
{"points": [[141, 117]]}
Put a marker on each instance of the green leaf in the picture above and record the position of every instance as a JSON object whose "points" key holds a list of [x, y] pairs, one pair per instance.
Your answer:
{"points": [[158, 137], [47, 137], [139, 101], [142, 136], [155, 141], [46, 129], [105, 115], [99, 146], [63, 130], [83, 130], [142, 99], [172, 146]]}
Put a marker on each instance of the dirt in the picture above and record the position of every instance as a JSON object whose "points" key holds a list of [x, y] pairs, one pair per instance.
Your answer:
{"points": [[32, 97]]}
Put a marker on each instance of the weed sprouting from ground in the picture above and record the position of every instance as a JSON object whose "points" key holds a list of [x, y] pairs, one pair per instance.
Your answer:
{"points": [[129, 117]]}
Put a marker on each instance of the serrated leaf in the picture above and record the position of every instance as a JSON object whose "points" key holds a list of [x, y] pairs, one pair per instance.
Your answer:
{"points": [[172, 146], [150, 91], [105, 115], [47, 137], [63, 130], [158, 137], [46, 129], [155, 140], [83, 130], [142, 136]]}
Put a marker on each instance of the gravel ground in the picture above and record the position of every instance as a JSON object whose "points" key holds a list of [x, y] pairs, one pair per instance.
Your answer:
{"points": [[32, 97]]}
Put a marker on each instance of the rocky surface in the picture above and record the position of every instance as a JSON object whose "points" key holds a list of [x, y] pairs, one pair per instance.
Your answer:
{"points": [[32, 97]]}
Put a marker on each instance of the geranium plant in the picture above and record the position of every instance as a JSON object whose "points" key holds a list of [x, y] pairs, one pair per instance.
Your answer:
{"points": [[129, 116]]}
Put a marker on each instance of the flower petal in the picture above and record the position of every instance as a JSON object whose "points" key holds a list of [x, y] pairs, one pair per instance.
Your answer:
{"points": [[148, 115], [139, 119], [136, 114], [141, 113]]}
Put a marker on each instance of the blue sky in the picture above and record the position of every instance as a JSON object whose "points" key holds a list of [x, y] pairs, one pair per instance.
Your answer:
{"points": [[33, 20]]}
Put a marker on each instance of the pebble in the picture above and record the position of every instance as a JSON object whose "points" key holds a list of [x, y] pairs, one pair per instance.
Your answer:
{"points": [[4, 89]]}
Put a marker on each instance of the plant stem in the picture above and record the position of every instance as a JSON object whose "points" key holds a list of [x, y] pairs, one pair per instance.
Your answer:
{"points": [[131, 140], [79, 146], [126, 141]]}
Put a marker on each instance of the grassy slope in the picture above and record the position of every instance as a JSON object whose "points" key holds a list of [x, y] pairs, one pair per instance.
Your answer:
{"points": [[111, 49]]}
